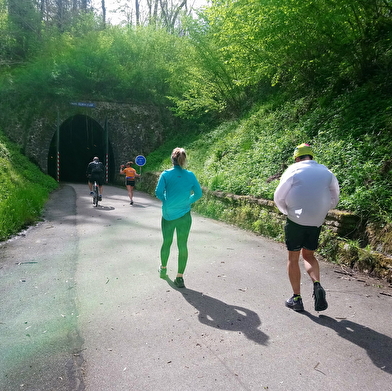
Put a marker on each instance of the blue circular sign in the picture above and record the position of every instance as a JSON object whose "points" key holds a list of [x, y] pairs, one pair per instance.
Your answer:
{"points": [[140, 160]]}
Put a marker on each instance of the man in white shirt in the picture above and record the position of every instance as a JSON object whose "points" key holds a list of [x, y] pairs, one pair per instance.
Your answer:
{"points": [[306, 192]]}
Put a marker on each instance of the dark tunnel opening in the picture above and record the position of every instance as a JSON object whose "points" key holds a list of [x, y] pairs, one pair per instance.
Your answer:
{"points": [[81, 138]]}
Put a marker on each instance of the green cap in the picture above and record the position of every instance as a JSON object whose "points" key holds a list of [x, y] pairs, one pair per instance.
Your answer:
{"points": [[303, 149]]}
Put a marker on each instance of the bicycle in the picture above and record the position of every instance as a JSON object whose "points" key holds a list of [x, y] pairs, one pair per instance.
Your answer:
{"points": [[96, 194]]}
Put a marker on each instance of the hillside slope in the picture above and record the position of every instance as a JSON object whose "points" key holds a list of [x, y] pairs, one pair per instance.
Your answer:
{"points": [[350, 135], [24, 189]]}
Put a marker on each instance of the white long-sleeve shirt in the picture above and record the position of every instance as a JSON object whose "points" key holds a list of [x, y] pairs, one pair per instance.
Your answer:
{"points": [[306, 192]]}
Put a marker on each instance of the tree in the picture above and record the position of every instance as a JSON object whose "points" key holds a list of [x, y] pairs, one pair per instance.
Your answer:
{"points": [[244, 46], [103, 7], [170, 12], [23, 28], [158, 13]]}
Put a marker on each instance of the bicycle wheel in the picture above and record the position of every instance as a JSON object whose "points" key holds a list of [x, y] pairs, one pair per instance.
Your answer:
{"points": [[96, 195]]}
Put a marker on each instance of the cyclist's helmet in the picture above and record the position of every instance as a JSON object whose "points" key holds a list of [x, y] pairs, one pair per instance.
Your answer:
{"points": [[303, 149]]}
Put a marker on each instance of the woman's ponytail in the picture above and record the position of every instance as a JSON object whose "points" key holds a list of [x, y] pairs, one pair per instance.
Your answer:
{"points": [[178, 157]]}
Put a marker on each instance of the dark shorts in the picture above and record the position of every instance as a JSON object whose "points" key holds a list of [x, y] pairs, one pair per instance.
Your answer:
{"points": [[95, 178], [130, 182], [301, 236]]}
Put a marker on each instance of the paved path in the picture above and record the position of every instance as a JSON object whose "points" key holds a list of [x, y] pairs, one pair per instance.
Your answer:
{"points": [[83, 308]]}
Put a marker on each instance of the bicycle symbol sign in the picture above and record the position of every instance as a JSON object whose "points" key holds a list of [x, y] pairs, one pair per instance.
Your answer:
{"points": [[140, 160]]}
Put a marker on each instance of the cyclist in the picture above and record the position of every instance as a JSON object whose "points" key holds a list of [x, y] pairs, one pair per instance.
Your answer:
{"points": [[130, 176], [95, 173]]}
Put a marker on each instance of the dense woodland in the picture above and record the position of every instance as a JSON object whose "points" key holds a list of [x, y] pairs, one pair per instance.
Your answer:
{"points": [[252, 78]]}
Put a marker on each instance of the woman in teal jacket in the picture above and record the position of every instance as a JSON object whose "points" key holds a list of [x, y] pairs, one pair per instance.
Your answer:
{"points": [[177, 188]]}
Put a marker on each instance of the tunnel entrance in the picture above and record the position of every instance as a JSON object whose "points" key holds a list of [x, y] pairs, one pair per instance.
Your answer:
{"points": [[81, 138]]}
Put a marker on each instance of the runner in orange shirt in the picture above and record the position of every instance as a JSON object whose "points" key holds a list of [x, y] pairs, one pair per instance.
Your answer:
{"points": [[130, 176]]}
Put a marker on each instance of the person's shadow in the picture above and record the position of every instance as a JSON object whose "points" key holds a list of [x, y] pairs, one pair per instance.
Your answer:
{"points": [[217, 314], [378, 346]]}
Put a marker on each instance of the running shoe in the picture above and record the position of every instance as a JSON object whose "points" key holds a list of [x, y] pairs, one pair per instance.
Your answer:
{"points": [[295, 303], [131, 202], [100, 197], [179, 282], [320, 303], [162, 272]]}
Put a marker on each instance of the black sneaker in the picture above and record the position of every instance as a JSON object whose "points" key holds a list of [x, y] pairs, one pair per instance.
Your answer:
{"points": [[295, 303], [320, 303], [179, 282], [131, 202]]}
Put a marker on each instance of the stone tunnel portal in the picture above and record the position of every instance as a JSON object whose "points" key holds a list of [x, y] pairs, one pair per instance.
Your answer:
{"points": [[81, 138]]}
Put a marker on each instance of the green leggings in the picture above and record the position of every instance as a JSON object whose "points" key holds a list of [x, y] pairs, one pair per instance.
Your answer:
{"points": [[182, 227]]}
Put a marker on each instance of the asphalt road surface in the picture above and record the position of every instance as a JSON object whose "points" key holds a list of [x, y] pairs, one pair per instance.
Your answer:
{"points": [[83, 308]]}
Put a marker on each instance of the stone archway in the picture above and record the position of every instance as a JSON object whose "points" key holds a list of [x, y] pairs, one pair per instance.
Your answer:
{"points": [[81, 138]]}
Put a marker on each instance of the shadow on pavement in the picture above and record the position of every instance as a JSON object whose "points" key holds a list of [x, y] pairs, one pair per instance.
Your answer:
{"points": [[215, 313], [378, 346], [104, 208]]}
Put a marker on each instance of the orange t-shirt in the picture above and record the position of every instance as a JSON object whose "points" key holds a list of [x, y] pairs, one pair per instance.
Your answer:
{"points": [[130, 173]]}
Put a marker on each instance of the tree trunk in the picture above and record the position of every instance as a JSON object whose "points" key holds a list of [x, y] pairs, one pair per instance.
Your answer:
{"points": [[103, 12], [137, 10]]}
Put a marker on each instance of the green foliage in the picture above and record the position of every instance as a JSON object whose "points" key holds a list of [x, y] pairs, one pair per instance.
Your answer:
{"points": [[227, 60], [248, 155], [24, 190], [329, 61], [239, 48], [201, 82], [241, 155], [114, 64], [160, 160]]}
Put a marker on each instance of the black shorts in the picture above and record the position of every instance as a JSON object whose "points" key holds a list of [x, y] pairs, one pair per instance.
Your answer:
{"points": [[95, 178], [130, 182], [301, 236]]}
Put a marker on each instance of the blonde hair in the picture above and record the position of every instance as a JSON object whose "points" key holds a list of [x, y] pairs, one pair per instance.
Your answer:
{"points": [[178, 157]]}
